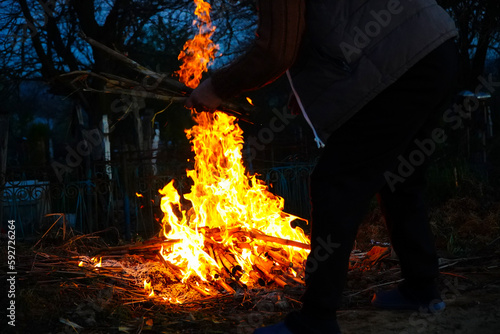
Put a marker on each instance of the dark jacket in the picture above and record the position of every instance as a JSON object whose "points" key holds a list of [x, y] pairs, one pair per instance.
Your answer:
{"points": [[353, 49], [350, 51]]}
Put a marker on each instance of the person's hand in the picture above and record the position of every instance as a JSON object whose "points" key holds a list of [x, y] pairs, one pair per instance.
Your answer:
{"points": [[203, 98]]}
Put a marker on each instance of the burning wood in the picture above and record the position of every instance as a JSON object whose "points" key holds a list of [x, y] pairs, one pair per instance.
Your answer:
{"points": [[234, 235], [269, 263]]}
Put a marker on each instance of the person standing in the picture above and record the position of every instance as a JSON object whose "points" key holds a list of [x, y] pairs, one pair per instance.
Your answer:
{"points": [[371, 77]]}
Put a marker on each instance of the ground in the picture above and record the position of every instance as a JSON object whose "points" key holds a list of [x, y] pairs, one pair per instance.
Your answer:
{"points": [[473, 306], [471, 288], [54, 297]]}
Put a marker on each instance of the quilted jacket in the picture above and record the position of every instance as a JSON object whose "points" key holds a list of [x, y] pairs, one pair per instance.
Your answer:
{"points": [[342, 52]]}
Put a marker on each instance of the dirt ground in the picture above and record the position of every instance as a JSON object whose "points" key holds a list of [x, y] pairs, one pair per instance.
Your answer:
{"points": [[470, 286], [473, 306], [53, 297], [471, 290]]}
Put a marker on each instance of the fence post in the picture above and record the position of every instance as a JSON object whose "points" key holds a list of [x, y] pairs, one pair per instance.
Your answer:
{"points": [[126, 199]]}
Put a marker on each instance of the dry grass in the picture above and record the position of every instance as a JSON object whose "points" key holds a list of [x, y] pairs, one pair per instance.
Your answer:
{"points": [[465, 226], [55, 300]]}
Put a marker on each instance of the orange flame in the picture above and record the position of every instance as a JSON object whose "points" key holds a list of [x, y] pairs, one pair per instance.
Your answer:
{"points": [[198, 52], [226, 202], [223, 197], [148, 287], [97, 262]]}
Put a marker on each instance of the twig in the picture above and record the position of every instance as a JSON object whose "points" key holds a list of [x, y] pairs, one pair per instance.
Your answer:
{"points": [[227, 107], [491, 243], [138, 93], [240, 111], [131, 63], [61, 215], [135, 247], [375, 286]]}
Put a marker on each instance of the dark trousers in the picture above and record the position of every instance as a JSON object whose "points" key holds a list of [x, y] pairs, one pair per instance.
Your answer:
{"points": [[365, 157]]}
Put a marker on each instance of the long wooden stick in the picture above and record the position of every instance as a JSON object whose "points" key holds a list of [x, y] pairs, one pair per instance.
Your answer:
{"points": [[131, 63], [239, 110], [136, 247], [255, 234]]}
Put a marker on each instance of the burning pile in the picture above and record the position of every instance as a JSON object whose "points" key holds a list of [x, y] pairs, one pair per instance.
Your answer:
{"points": [[233, 233], [235, 230]]}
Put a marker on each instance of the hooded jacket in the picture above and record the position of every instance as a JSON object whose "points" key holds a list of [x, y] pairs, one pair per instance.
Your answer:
{"points": [[343, 52]]}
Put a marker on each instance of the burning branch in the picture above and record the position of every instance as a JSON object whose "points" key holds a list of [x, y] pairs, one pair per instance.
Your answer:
{"points": [[257, 235], [155, 86]]}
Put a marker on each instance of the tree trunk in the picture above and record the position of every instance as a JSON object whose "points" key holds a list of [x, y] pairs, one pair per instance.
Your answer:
{"points": [[4, 137]]}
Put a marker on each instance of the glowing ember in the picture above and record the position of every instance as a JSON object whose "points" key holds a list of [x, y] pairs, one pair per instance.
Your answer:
{"points": [[250, 101], [97, 262], [200, 51], [148, 287]]}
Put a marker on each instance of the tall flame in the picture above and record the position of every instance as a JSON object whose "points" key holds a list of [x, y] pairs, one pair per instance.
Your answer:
{"points": [[198, 52], [228, 207], [225, 198]]}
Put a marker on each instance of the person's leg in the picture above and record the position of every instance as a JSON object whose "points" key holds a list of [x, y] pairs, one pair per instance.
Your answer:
{"points": [[353, 167], [405, 212]]}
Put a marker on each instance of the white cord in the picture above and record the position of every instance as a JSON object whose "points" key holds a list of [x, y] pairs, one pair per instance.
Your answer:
{"points": [[301, 106]]}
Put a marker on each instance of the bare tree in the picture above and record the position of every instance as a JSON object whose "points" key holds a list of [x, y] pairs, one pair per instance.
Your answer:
{"points": [[43, 38], [479, 26], [48, 40]]}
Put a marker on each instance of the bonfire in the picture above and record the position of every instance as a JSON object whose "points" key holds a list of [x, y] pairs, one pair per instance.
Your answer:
{"points": [[233, 233]]}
